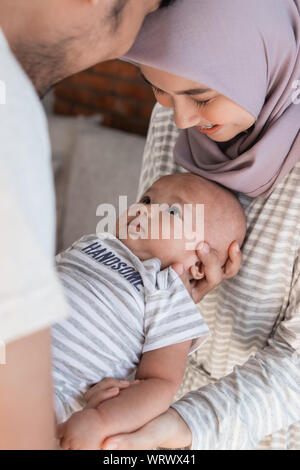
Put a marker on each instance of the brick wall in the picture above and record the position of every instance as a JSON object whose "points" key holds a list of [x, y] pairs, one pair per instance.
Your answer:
{"points": [[114, 89]]}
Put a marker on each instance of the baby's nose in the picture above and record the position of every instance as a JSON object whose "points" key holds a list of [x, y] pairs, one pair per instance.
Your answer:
{"points": [[145, 210], [153, 211]]}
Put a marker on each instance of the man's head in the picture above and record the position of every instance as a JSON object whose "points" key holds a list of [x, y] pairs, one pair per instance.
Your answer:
{"points": [[223, 221], [57, 38]]}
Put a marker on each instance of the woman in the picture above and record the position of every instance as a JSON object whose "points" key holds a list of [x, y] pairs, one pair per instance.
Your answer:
{"points": [[228, 70]]}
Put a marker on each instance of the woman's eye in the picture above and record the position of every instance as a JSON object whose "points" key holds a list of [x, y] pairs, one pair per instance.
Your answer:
{"points": [[173, 210], [200, 104], [146, 200]]}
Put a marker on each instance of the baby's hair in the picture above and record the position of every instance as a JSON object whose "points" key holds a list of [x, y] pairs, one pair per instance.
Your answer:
{"points": [[225, 222], [224, 217]]}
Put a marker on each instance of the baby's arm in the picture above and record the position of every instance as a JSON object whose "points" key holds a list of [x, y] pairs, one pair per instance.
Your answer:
{"points": [[160, 371]]}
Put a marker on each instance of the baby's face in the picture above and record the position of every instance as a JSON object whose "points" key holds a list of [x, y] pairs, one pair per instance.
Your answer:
{"points": [[167, 224]]}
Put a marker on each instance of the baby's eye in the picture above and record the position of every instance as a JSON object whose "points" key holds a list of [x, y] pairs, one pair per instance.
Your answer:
{"points": [[174, 210], [146, 200]]}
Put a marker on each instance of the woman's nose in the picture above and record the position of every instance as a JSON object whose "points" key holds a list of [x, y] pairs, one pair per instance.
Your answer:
{"points": [[185, 115]]}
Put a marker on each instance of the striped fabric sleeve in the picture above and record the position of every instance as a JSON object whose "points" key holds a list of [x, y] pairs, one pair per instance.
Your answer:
{"points": [[171, 317], [258, 398]]}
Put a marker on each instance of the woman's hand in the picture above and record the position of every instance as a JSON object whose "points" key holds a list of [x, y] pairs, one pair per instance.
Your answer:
{"points": [[214, 273], [168, 430]]}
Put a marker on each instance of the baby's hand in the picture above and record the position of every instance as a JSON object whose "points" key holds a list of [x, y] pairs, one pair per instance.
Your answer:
{"points": [[104, 390], [82, 431]]}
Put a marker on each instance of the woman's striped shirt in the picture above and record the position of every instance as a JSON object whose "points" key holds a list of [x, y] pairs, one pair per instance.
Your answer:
{"points": [[242, 388]]}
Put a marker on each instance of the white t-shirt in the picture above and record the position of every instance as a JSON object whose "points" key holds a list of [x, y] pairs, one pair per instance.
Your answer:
{"points": [[30, 295], [120, 308]]}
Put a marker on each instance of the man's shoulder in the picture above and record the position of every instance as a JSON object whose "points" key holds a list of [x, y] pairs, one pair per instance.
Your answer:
{"points": [[25, 149]]}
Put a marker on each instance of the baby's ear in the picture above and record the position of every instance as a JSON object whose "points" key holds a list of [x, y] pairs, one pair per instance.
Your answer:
{"points": [[196, 271]]}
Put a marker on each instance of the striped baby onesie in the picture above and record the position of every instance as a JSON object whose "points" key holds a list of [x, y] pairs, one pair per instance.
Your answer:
{"points": [[120, 308], [242, 389]]}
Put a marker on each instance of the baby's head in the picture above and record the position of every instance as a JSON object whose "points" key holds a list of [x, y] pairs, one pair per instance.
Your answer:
{"points": [[223, 222]]}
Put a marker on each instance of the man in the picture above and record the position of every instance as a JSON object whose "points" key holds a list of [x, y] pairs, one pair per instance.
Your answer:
{"points": [[49, 40]]}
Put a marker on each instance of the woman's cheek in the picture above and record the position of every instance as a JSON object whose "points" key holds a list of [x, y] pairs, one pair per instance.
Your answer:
{"points": [[231, 113], [219, 113]]}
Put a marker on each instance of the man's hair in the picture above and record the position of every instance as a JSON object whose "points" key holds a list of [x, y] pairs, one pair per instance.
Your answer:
{"points": [[166, 3]]}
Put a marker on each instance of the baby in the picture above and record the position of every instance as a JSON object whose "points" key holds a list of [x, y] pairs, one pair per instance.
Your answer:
{"points": [[130, 310]]}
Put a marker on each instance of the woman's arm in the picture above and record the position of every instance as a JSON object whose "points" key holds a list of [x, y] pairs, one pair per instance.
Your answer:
{"points": [[254, 401], [168, 430]]}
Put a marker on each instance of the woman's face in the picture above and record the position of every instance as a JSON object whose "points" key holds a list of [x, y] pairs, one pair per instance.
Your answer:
{"points": [[196, 105]]}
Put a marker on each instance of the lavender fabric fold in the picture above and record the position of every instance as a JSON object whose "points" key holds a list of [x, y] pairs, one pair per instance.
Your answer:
{"points": [[249, 51]]}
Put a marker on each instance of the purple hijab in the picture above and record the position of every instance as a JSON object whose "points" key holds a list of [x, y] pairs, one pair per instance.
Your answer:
{"points": [[249, 51]]}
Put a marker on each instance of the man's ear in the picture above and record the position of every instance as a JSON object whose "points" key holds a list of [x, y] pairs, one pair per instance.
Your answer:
{"points": [[196, 271]]}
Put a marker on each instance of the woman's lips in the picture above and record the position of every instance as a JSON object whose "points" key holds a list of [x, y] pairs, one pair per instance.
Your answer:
{"points": [[209, 131]]}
